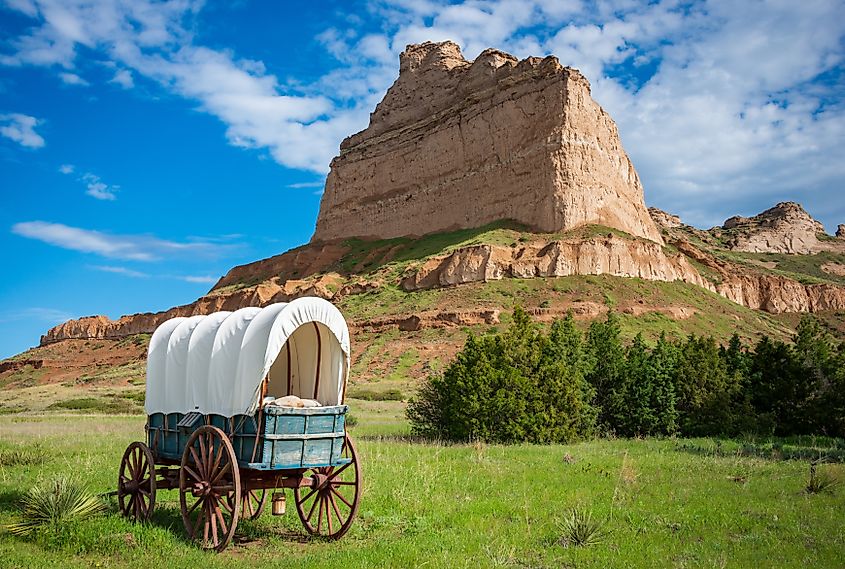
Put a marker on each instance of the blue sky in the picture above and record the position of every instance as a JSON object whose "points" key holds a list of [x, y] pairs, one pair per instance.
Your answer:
{"points": [[147, 147]]}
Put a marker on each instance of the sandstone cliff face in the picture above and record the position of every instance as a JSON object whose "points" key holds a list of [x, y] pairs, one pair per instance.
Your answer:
{"points": [[785, 228], [457, 144], [605, 255]]}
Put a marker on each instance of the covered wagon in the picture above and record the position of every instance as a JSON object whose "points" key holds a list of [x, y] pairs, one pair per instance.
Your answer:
{"points": [[240, 404]]}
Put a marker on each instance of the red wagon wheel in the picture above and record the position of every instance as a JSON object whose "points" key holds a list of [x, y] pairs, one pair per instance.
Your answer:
{"points": [[334, 495], [208, 474], [252, 502], [136, 483]]}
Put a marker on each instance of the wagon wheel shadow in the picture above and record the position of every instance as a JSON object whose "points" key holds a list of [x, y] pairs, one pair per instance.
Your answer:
{"points": [[167, 515]]}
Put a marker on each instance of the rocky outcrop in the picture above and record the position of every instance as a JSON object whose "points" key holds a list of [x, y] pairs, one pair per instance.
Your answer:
{"points": [[609, 255], [459, 144], [785, 228], [663, 219], [761, 291], [840, 231]]}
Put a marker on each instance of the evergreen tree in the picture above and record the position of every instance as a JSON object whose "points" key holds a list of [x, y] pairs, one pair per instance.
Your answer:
{"points": [[606, 361]]}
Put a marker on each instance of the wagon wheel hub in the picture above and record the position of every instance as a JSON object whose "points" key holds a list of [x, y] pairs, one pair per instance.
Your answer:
{"points": [[318, 480], [201, 488]]}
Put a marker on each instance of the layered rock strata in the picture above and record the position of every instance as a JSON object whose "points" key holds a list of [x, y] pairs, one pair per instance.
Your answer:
{"points": [[597, 256], [459, 144]]}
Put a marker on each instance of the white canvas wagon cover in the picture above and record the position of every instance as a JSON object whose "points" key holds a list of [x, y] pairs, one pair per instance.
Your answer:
{"points": [[217, 363]]}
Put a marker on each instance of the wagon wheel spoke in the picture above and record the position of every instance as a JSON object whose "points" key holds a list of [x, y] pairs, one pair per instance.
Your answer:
{"points": [[336, 474], [218, 513], [320, 515], [328, 513], [193, 474], [340, 496], [311, 493], [213, 524], [194, 507], [197, 463], [228, 506], [335, 508], [221, 472]]}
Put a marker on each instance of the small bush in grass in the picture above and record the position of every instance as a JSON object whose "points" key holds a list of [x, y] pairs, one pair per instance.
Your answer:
{"points": [[373, 395], [821, 480], [580, 529], [351, 420], [23, 456], [62, 501]]}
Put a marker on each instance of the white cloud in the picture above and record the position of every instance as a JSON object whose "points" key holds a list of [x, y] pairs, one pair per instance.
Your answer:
{"points": [[200, 279], [120, 271], [21, 129], [123, 77], [127, 247], [98, 189], [48, 315], [73, 79], [67, 168], [300, 185]]}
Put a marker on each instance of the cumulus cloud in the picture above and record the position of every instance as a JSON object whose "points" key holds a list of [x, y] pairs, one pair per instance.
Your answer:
{"points": [[97, 189], [126, 247], [67, 168], [21, 129], [73, 79], [123, 77]]}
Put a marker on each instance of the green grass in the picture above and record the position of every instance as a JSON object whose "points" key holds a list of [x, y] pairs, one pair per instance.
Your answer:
{"points": [[661, 503], [806, 269]]}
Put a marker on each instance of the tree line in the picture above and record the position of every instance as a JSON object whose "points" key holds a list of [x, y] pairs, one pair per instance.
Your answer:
{"points": [[525, 384]]}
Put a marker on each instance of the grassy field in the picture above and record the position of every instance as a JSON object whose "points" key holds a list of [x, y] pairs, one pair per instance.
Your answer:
{"points": [[663, 503]]}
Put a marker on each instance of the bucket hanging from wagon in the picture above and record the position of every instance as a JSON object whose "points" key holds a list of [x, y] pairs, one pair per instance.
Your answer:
{"points": [[216, 364]]}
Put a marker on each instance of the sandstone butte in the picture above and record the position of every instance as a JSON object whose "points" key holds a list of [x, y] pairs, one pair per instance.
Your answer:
{"points": [[459, 144]]}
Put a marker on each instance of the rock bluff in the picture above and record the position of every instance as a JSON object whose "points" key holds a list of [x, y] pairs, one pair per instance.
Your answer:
{"points": [[784, 228], [459, 144]]}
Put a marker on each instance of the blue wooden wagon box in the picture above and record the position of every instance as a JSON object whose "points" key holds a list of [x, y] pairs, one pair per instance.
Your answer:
{"points": [[290, 437]]}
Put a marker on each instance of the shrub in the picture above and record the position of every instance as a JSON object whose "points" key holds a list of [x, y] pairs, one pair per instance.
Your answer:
{"points": [[62, 501], [579, 529], [521, 385]]}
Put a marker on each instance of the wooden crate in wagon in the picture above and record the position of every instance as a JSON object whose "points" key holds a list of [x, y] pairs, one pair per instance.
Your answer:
{"points": [[216, 431]]}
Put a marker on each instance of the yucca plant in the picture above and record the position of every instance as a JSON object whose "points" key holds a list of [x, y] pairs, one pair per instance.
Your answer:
{"points": [[62, 500], [821, 480], [579, 529]]}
